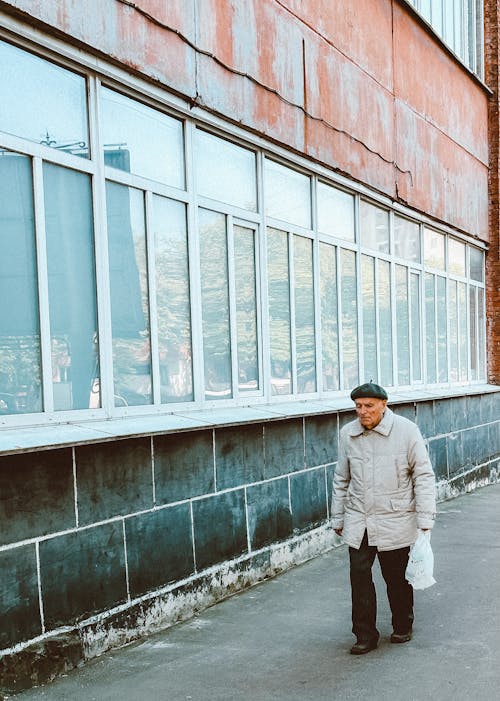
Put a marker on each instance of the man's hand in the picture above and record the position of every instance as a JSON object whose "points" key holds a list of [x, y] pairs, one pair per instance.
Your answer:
{"points": [[338, 531]]}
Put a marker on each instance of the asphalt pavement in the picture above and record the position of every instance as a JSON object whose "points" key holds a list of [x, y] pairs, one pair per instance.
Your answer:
{"points": [[289, 637]]}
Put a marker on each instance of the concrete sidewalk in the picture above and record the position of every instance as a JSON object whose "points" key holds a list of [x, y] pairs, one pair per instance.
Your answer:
{"points": [[289, 637]]}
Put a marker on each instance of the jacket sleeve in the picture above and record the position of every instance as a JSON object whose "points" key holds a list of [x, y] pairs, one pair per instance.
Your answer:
{"points": [[341, 480], [424, 483]]}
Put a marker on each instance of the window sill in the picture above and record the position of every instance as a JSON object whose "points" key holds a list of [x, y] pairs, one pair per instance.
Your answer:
{"points": [[28, 439]]}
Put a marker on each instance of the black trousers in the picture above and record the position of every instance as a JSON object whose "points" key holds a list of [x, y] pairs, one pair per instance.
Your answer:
{"points": [[364, 601]]}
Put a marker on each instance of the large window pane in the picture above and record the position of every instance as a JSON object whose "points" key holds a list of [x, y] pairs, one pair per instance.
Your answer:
{"points": [[225, 171], [385, 322], [349, 318], [415, 326], [369, 318], [141, 140], [305, 344], [278, 275], [172, 300], [287, 194], [72, 292], [481, 327], [434, 249], [463, 336], [453, 327], [246, 308], [20, 370], [402, 325], [215, 305], [329, 316], [473, 332], [441, 329], [406, 239], [374, 227], [456, 257], [430, 328], [128, 281], [476, 264], [335, 212], [42, 102]]}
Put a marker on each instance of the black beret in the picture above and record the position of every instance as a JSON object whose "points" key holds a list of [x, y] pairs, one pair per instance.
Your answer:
{"points": [[369, 389]]}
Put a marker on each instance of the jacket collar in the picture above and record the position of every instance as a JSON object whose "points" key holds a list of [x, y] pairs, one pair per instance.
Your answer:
{"points": [[384, 427]]}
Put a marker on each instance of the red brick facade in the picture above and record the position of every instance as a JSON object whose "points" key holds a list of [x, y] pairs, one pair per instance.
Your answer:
{"points": [[492, 77]]}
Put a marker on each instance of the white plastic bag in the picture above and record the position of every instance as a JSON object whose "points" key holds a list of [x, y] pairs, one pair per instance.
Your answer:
{"points": [[420, 568]]}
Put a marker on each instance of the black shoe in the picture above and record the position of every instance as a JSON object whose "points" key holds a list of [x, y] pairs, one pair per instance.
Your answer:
{"points": [[364, 646], [401, 637]]}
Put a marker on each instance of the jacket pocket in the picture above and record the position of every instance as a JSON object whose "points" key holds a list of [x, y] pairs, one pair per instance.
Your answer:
{"points": [[403, 504]]}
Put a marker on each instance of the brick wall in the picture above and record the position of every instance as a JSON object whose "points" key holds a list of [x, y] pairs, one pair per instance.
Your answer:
{"points": [[104, 542], [492, 77]]}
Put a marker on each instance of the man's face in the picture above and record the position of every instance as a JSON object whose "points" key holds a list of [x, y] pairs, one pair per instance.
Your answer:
{"points": [[370, 411]]}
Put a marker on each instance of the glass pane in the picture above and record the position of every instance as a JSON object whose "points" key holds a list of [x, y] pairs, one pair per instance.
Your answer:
{"points": [[437, 15], [453, 326], [441, 329], [225, 171], [72, 288], [305, 342], [406, 239], [246, 308], [415, 326], [172, 300], [402, 325], [279, 311], [434, 249], [425, 9], [449, 35], [456, 257], [473, 332], [128, 282], [349, 318], [481, 328], [329, 316], [141, 140], [476, 264], [20, 369], [463, 337], [287, 194], [369, 319], [215, 305], [42, 102], [430, 328], [374, 227], [335, 212], [385, 322]]}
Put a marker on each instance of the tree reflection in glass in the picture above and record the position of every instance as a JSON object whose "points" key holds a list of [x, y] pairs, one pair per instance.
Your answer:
{"points": [[172, 300], [305, 342], [129, 295], [215, 305], [279, 311], [20, 369], [349, 318], [329, 316], [246, 308], [369, 319], [402, 325], [385, 322]]}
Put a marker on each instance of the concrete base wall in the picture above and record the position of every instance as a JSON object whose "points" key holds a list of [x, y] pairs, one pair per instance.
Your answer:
{"points": [[104, 543]]}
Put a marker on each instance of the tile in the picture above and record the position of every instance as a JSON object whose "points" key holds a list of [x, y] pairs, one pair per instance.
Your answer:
{"points": [[284, 447], [308, 496], [82, 573], [269, 516], [159, 548], [36, 494], [473, 404], [113, 479], [184, 465], [443, 421], [425, 419], [321, 439], [458, 411], [19, 607], [345, 417], [219, 528], [455, 452], [439, 457], [239, 455], [408, 410]]}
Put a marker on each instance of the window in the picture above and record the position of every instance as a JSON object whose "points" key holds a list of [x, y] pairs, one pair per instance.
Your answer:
{"points": [[177, 267]]}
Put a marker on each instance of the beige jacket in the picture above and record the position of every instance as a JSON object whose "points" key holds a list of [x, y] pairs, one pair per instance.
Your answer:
{"points": [[383, 483]]}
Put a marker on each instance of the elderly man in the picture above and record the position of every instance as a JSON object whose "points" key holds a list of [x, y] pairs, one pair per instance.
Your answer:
{"points": [[383, 492]]}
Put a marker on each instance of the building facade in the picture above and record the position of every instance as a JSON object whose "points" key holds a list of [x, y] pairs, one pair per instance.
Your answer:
{"points": [[216, 218]]}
